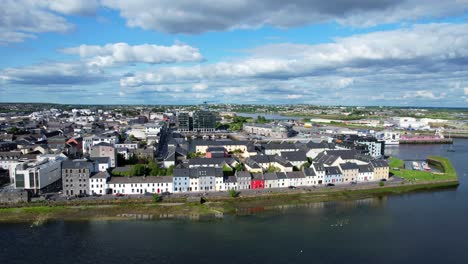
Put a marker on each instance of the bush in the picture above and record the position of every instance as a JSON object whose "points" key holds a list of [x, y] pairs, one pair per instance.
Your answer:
{"points": [[381, 184], [156, 198], [232, 193]]}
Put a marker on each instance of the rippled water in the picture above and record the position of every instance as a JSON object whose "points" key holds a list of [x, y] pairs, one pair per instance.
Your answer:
{"points": [[423, 227]]}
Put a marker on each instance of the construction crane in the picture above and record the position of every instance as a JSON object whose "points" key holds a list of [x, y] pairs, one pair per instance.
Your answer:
{"points": [[205, 104]]}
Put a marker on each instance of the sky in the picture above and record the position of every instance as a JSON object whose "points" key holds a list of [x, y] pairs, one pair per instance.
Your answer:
{"points": [[337, 52]]}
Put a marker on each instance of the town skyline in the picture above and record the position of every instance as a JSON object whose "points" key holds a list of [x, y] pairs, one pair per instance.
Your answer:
{"points": [[113, 52]]}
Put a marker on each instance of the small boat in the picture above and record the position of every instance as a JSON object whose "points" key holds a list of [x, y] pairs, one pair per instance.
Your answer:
{"points": [[426, 166], [416, 166]]}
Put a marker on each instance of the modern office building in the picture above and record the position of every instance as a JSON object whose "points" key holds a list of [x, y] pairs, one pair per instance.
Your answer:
{"points": [[204, 121]]}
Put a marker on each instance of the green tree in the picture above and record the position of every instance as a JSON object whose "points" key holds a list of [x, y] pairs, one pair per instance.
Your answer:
{"points": [[381, 184], [305, 165], [227, 170], [233, 193], [138, 170], [272, 168], [156, 198], [239, 167]]}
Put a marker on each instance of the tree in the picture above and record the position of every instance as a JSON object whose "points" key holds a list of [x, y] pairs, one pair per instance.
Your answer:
{"points": [[272, 168], [138, 170], [227, 170], [156, 198], [239, 167], [305, 165], [381, 184], [233, 193]]}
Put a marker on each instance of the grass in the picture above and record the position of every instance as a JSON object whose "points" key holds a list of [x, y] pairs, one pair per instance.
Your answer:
{"points": [[444, 164]]}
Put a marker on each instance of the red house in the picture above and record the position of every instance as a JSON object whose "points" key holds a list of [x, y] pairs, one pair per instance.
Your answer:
{"points": [[258, 181]]}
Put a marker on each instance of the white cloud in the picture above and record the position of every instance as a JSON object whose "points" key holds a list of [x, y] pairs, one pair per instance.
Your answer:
{"points": [[73, 7], [423, 94], [185, 16], [465, 90], [383, 51], [121, 53], [200, 87], [294, 96]]}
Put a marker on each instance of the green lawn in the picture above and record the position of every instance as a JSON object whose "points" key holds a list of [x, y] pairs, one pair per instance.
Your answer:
{"points": [[396, 168]]}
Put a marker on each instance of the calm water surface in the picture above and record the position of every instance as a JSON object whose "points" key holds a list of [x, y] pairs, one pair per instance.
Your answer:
{"points": [[427, 227]]}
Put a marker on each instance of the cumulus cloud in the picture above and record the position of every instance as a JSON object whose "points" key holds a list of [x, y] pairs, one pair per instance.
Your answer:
{"points": [[200, 87], [120, 53], [294, 96], [58, 73], [439, 45], [185, 16], [424, 94], [24, 19]]}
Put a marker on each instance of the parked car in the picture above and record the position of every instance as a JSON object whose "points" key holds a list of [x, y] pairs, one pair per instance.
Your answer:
{"points": [[292, 187], [119, 194], [166, 193], [353, 182], [330, 184]]}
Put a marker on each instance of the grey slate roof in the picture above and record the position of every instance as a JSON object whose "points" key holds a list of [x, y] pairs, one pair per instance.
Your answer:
{"points": [[309, 172], [295, 155], [100, 175], [140, 179], [295, 174], [365, 168], [101, 159], [349, 166], [379, 163], [334, 170], [76, 164], [243, 174], [270, 176]]}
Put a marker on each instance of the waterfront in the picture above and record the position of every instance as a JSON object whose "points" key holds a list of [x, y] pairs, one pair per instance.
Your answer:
{"points": [[427, 227]]}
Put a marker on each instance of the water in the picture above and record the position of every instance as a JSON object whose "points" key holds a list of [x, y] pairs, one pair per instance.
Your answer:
{"points": [[424, 227]]}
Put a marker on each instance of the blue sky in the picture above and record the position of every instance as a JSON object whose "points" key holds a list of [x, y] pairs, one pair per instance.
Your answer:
{"points": [[342, 52]]}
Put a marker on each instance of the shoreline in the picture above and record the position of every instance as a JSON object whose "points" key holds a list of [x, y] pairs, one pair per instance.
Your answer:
{"points": [[214, 207]]}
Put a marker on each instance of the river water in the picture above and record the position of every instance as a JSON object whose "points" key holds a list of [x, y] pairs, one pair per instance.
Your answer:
{"points": [[423, 227]]}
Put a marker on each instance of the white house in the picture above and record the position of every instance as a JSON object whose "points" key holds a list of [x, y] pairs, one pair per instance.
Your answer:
{"points": [[140, 185], [98, 182], [296, 178], [181, 180], [366, 173]]}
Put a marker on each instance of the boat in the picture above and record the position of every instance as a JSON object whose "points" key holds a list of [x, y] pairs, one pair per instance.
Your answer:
{"points": [[450, 149], [416, 166], [426, 166]]}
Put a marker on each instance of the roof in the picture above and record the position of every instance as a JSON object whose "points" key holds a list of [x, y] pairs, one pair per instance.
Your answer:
{"points": [[231, 179], [309, 172], [122, 169], [100, 175], [76, 164], [258, 176], [379, 163], [334, 170], [270, 176], [103, 144], [216, 149], [318, 166], [365, 168], [344, 154], [295, 155], [321, 145], [219, 143], [243, 174], [140, 179], [101, 159], [202, 171], [295, 174], [349, 166], [327, 159], [279, 146], [206, 161]]}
